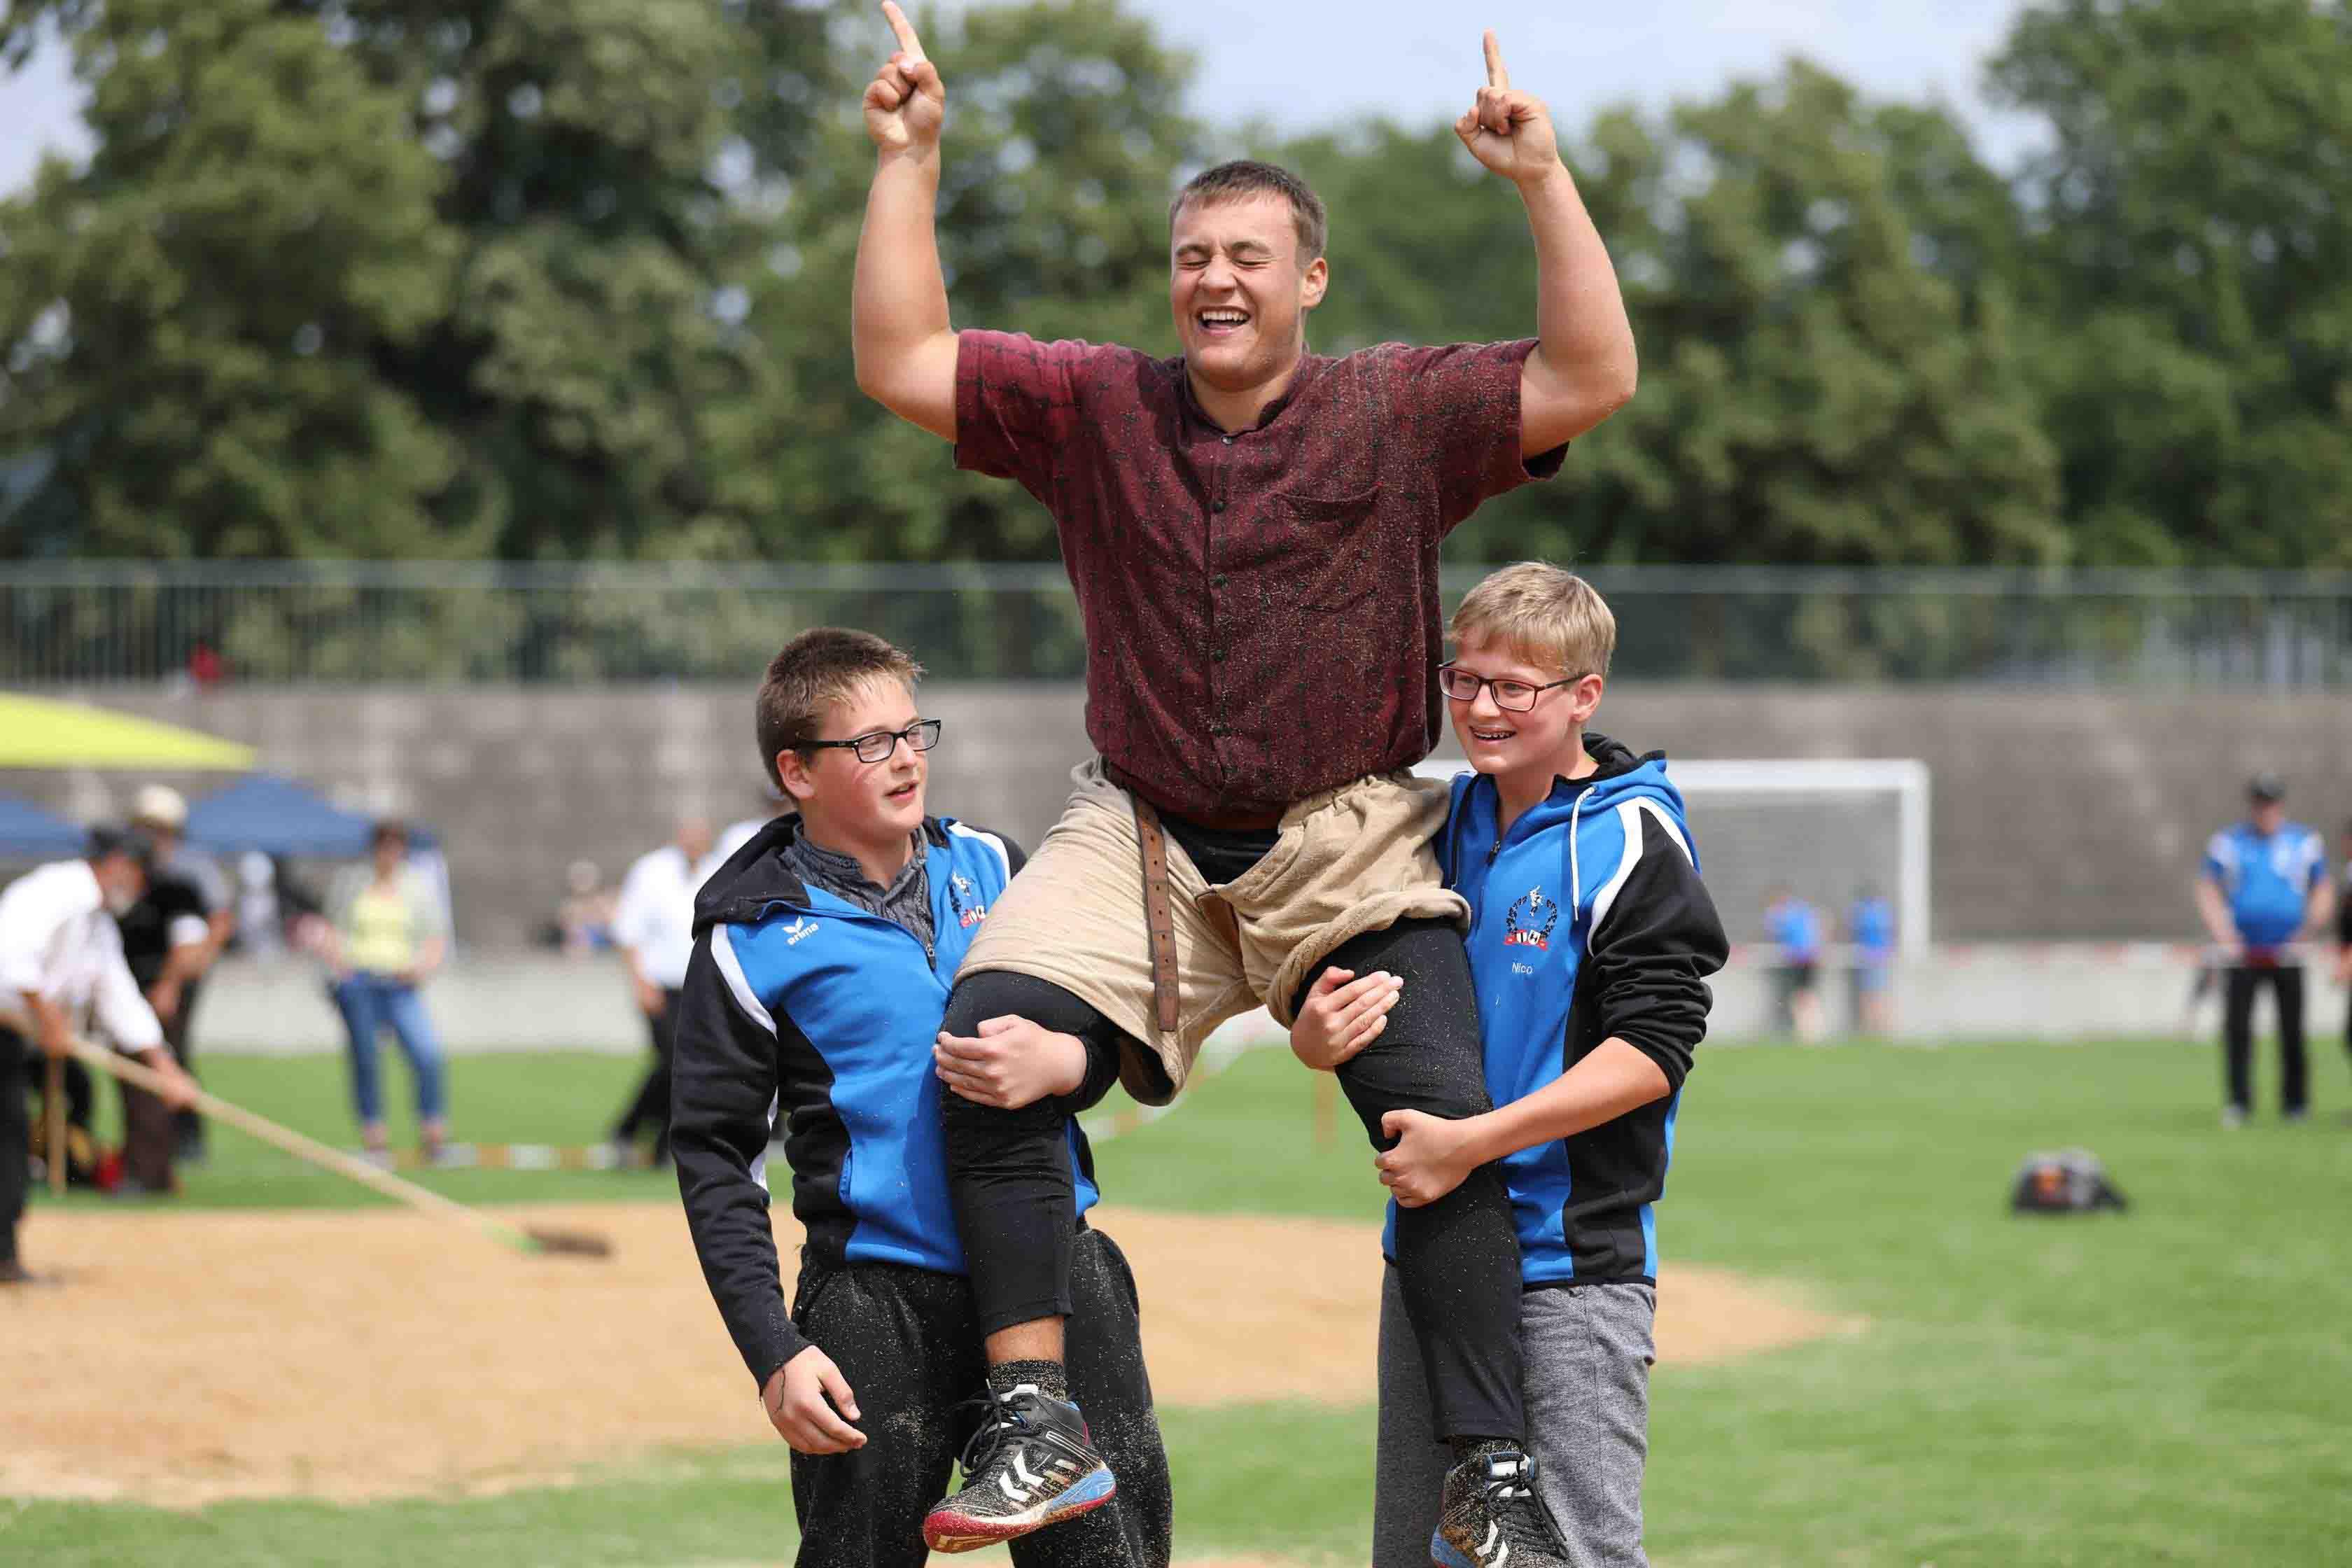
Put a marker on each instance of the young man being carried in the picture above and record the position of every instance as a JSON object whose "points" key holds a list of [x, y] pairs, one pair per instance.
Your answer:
{"points": [[1590, 938], [822, 956], [1253, 533]]}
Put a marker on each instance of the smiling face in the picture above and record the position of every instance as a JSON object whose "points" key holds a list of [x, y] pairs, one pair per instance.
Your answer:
{"points": [[1546, 739], [847, 802], [1239, 290]]}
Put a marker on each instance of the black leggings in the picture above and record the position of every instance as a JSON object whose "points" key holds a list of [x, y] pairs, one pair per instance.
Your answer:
{"points": [[904, 1338], [1457, 1260], [2238, 1036]]}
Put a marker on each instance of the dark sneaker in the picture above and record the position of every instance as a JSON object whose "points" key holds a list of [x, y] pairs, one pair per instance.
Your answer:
{"points": [[1490, 1516], [1032, 1463]]}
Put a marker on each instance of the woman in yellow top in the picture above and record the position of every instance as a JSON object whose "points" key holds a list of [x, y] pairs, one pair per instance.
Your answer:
{"points": [[389, 935]]}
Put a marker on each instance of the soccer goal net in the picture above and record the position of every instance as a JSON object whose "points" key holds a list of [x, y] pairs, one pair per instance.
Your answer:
{"points": [[1824, 830]]}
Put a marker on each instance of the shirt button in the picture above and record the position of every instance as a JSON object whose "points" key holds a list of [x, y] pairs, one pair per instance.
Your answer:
{"points": [[1218, 655], [1218, 581], [1227, 439], [1217, 505]]}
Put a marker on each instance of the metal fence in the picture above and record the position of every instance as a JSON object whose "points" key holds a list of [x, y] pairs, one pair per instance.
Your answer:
{"points": [[94, 622]]}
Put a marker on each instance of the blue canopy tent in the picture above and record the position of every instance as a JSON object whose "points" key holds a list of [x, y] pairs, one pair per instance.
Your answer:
{"points": [[279, 816], [27, 832]]}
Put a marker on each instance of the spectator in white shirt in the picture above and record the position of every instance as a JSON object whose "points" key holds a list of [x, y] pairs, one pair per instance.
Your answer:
{"points": [[61, 967], [654, 928]]}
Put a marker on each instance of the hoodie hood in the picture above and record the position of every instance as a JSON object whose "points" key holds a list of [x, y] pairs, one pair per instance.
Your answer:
{"points": [[1621, 777], [757, 878]]}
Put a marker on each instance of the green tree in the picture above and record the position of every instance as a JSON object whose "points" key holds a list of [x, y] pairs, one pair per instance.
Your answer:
{"points": [[406, 276], [1064, 136], [1830, 362], [190, 325], [2192, 262]]}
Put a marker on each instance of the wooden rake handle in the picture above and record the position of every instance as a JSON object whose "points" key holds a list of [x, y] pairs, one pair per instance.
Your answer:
{"points": [[308, 1150], [53, 1123]]}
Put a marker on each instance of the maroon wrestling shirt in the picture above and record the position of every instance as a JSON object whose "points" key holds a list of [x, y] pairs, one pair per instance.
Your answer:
{"points": [[1261, 605]]}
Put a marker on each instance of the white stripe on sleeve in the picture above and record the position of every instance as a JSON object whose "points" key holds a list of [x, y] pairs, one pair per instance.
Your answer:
{"points": [[991, 840], [723, 953], [1629, 816]]}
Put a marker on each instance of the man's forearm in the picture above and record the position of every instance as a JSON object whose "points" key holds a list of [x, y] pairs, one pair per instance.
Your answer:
{"points": [[1615, 1078], [898, 302], [1585, 351]]}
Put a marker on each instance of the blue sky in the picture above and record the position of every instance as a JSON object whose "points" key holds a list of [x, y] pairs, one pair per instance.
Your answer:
{"points": [[1302, 65]]}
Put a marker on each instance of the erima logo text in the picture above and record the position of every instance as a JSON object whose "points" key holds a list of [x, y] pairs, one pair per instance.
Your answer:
{"points": [[800, 928]]}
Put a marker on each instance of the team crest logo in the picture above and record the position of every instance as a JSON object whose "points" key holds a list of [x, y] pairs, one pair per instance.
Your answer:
{"points": [[1528, 921], [963, 895]]}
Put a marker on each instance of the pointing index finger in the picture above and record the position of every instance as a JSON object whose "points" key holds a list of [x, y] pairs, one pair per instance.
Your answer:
{"points": [[913, 46], [1496, 75]]}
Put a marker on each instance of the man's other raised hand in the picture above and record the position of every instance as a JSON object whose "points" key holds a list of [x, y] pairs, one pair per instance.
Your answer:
{"points": [[906, 102], [1509, 132]]}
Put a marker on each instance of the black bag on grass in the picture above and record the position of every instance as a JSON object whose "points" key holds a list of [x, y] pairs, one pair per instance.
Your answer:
{"points": [[2071, 1181]]}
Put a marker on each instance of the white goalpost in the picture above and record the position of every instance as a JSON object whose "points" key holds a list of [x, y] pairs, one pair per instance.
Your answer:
{"points": [[1823, 828]]}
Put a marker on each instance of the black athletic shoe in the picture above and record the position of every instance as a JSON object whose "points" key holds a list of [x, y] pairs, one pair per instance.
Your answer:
{"points": [[1032, 1463], [1490, 1516]]}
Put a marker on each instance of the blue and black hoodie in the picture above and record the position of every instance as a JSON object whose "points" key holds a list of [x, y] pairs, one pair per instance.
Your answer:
{"points": [[1588, 922], [803, 1013]]}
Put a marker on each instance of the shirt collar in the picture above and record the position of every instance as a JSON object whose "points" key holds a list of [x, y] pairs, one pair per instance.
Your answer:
{"points": [[837, 867], [1309, 364]]}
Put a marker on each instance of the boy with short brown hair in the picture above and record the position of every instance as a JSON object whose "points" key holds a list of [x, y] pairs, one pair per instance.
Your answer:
{"points": [[823, 950]]}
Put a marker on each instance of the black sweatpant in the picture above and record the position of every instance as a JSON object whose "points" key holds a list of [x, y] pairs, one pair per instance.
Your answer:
{"points": [[2238, 1035], [650, 1105], [16, 1135], [910, 1345], [1458, 1258]]}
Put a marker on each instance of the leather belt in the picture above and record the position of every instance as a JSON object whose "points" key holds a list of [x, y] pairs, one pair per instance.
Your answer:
{"points": [[1158, 913]]}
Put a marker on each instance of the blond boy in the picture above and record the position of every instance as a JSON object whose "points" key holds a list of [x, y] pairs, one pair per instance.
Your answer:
{"points": [[1591, 936]]}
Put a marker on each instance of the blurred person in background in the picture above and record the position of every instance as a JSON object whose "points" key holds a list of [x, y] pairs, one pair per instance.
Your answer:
{"points": [[61, 968], [2264, 883], [167, 945], [654, 928], [1870, 927], [2343, 934], [387, 933], [260, 917], [1795, 928], [584, 921], [186, 883]]}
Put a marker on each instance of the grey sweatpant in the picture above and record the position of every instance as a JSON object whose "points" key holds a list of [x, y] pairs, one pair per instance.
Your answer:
{"points": [[1586, 1354]]}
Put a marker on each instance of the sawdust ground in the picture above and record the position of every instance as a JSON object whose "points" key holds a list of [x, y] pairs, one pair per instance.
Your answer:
{"points": [[186, 1357]]}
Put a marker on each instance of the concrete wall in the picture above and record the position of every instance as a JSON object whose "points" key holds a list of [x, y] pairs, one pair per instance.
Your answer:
{"points": [[2056, 813]]}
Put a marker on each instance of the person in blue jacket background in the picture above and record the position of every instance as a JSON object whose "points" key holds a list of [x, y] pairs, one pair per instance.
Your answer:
{"points": [[1591, 939], [2262, 886], [823, 954]]}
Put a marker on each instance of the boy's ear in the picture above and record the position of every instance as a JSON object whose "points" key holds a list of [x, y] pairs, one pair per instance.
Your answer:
{"points": [[1585, 697], [793, 773]]}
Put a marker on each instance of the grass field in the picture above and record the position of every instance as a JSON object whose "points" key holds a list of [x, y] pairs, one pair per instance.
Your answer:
{"points": [[2173, 1386]]}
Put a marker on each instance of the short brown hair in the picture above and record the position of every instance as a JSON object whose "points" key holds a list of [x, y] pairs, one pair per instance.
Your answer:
{"points": [[1246, 178], [1544, 615], [815, 671]]}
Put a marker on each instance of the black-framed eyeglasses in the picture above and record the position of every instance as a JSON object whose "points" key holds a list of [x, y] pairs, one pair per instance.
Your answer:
{"points": [[1511, 696], [878, 747]]}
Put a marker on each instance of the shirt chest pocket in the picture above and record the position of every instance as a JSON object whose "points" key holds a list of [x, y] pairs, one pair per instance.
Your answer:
{"points": [[1331, 545]]}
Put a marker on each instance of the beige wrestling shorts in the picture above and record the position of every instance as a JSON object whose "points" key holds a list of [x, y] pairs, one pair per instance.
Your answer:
{"points": [[1350, 860]]}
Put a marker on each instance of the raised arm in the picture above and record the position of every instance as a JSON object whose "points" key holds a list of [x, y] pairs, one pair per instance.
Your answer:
{"points": [[899, 305], [1583, 368]]}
